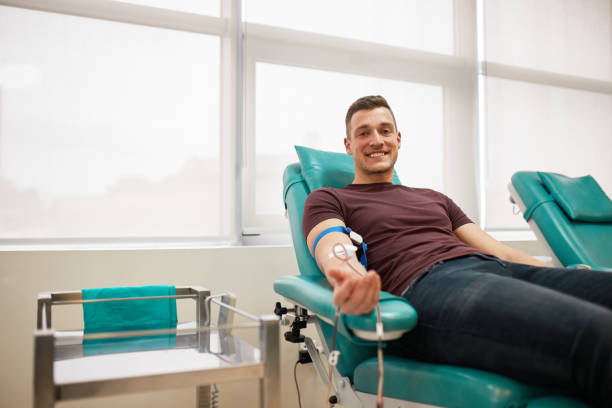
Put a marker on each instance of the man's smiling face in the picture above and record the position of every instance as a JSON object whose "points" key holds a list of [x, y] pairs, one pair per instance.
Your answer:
{"points": [[374, 143]]}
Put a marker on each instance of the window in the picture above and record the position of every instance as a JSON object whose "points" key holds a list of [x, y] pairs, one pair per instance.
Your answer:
{"points": [[305, 66], [171, 121], [414, 24], [297, 106], [545, 128], [107, 130], [560, 36], [547, 72]]}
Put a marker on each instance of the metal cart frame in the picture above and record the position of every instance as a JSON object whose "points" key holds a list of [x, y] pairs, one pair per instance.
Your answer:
{"points": [[267, 369]]}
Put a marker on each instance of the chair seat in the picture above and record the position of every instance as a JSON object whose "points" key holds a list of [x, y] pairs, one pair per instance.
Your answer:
{"points": [[449, 386]]}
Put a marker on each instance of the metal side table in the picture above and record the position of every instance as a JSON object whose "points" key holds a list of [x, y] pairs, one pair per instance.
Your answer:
{"points": [[71, 365]]}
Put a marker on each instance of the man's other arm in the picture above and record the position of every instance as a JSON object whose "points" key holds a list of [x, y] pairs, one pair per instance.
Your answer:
{"points": [[353, 293], [472, 235]]}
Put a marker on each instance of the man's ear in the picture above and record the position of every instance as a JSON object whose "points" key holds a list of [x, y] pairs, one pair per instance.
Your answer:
{"points": [[347, 146], [399, 140]]}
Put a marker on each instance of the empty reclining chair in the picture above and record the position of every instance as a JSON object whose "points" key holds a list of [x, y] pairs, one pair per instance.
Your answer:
{"points": [[571, 217], [355, 377]]}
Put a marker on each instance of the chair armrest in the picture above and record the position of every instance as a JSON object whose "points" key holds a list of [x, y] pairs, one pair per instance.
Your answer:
{"points": [[315, 294]]}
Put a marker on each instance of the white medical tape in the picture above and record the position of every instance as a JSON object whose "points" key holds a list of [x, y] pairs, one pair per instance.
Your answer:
{"points": [[379, 330], [355, 237], [349, 251], [333, 357]]}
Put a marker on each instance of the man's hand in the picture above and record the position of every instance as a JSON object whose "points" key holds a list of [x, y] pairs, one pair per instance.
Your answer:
{"points": [[355, 294]]}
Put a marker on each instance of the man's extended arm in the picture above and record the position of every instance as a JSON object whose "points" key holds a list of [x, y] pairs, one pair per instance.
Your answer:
{"points": [[472, 235], [353, 293]]}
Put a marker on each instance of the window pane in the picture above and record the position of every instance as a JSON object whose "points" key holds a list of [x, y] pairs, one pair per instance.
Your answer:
{"points": [[107, 130], [543, 128], [564, 36], [307, 107], [206, 7], [422, 25]]}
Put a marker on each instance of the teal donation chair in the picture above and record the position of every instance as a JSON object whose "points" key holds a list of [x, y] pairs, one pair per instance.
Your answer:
{"points": [[407, 383], [571, 217]]}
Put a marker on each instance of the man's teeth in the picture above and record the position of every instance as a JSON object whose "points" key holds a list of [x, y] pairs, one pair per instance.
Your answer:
{"points": [[376, 154]]}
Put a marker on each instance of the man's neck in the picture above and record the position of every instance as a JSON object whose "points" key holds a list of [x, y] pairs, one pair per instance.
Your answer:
{"points": [[372, 178]]}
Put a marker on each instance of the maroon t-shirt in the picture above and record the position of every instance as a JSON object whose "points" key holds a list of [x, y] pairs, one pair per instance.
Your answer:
{"points": [[406, 229]]}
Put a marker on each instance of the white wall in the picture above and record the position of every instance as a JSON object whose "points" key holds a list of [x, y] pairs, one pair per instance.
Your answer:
{"points": [[246, 271]]}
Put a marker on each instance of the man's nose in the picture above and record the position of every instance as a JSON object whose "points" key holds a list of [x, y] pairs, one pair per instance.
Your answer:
{"points": [[376, 138]]}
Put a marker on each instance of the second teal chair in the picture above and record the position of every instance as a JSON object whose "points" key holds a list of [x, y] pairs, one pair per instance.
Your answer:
{"points": [[572, 217]]}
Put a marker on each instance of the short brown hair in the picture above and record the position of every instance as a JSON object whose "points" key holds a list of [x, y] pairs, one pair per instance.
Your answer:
{"points": [[366, 103]]}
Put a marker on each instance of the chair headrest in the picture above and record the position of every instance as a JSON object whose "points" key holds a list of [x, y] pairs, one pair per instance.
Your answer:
{"points": [[581, 198], [328, 169]]}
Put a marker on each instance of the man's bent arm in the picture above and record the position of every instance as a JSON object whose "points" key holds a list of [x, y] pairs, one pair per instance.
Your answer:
{"points": [[472, 235], [354, 293]]}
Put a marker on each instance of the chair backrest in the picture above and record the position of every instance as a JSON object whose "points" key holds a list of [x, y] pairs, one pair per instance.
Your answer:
{"points": [[295, 192], [316, 169], [575, 237], [320, 169]]}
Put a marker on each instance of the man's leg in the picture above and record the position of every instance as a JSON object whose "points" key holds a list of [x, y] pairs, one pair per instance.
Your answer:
{"points": [[471, 316]]}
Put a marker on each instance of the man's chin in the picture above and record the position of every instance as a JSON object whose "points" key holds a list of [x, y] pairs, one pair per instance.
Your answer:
{"points": [[378, 170]]}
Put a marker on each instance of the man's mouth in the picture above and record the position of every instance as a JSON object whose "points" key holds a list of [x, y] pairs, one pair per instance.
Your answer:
{"points": [[376, 154]]}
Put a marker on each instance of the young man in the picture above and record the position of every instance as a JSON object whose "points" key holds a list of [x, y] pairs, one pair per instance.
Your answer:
{"points": [[480, 303]]}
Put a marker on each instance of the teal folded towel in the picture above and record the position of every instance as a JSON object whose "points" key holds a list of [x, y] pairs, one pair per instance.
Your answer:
{"points": [[129, 315]]}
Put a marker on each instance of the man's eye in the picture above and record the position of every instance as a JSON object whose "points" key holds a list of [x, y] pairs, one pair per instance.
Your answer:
{"points": [[363, 133], [386, 131]]}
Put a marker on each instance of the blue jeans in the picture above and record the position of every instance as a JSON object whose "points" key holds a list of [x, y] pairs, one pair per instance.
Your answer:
{"points": [[543, 326]]}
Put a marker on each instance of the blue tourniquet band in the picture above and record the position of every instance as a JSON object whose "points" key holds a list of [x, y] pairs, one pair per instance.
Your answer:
{"points": [[363, 260]]}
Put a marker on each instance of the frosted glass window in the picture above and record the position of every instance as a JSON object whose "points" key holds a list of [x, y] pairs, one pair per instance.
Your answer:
{"points": [[543, 128], [423, 25], [307, 107], [206, 7], [563, 36], [107, 129]]}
